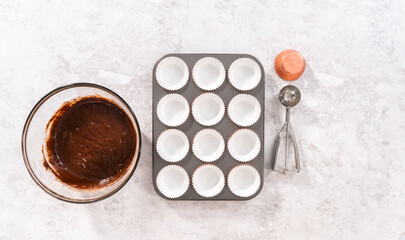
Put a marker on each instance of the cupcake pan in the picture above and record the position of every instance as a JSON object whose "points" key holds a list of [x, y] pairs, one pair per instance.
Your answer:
{"points": [[226, 127]]}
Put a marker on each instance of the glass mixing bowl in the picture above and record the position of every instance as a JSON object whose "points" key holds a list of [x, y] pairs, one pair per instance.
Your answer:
{"points": [[34, 136]]}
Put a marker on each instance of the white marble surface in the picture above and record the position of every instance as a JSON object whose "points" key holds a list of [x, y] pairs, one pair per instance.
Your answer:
{"points": [[350, 125]]}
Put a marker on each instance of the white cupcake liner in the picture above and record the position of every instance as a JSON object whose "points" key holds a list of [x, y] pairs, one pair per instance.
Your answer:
{"points": [[208, 145], [172, 145], [244, 145], [208, 180], [208, 109], [208, 73], [172, 73], [244, 180], [173, 110], [244, 110], [244, 74], [172, 181]]}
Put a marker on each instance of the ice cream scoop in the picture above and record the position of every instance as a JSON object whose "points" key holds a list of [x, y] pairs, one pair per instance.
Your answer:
{"points": [[289, 96]]}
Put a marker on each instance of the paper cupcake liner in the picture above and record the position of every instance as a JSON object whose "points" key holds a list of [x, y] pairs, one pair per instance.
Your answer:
{"points": [[172, 139], [180, 101], [204, 183], [238, 115], [237, 146], [169, 182], [202, 152], [244, 180], [244, 74], [201, 102], [172, 73], [281, 72], [208, 73]]}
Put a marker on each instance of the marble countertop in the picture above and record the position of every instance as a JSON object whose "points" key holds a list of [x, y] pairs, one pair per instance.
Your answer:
{"points": [[350, 125]]}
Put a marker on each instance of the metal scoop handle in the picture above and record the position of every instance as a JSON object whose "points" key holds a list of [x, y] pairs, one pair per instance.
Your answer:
{"points": [[289, 133]]}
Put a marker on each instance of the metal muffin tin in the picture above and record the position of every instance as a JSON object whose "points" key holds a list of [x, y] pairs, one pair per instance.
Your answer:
{"points": [[225, 127]]}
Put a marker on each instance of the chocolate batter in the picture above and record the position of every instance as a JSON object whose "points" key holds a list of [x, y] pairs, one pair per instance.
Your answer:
{"points": [[90, 143]]}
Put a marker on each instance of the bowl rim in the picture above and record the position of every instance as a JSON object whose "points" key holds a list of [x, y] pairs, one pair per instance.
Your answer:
{"points": [[28, 122]]}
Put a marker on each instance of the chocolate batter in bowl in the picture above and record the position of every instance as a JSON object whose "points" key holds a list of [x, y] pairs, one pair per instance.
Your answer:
{"points": [[81, 143], [90, 142]]}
